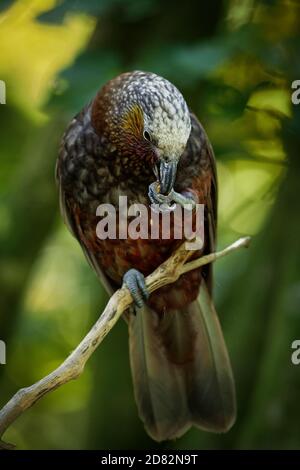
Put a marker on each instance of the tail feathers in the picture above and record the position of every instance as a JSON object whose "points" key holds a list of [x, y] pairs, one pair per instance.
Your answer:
{"points": [[181, 370]]}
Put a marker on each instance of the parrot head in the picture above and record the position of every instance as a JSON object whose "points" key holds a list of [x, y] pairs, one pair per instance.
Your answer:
{"points": [[146, 122]]}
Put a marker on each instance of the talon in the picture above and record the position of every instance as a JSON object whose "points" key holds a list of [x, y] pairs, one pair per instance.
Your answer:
{"points": [[153, 193], [135, 282], [185, 198], [157, 198]]}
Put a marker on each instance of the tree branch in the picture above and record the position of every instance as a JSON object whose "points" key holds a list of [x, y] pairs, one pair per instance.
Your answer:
{"points": [[73, 366]]}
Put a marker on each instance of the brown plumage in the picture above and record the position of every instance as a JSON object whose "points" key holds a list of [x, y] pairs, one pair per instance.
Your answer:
{"points": [[180, 367]]}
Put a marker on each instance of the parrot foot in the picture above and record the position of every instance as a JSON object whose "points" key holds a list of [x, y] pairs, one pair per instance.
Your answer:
{"points": [[164, 201], [183, 199], [134, 280], [157, 198]]}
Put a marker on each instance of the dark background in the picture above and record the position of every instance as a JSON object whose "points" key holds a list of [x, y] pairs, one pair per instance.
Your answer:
{"points": [[234, 61]]}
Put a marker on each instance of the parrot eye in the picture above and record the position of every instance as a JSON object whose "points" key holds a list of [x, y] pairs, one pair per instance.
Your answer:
{"points": [[147, 136]]}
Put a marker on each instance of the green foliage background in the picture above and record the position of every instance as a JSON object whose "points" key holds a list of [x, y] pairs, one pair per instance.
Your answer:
{"points": [[234, 61]]}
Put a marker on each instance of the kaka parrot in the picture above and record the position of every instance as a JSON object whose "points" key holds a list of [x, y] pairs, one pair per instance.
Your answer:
{"points": [[137, 130]]}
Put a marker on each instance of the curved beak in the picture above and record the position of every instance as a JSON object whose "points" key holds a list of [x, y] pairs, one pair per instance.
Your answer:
{"points": [[166, 174]]}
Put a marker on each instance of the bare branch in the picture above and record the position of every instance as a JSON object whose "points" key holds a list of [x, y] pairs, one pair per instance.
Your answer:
{"points": [[73, 366]]}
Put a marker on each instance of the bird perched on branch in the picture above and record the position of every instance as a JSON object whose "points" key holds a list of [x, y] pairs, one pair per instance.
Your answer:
{"points": [[138, 130]]}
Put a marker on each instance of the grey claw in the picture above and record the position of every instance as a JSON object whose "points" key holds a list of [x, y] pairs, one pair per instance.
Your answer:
{"points": [[184, 199], [153, 194], [135, 282], [163, 201]]}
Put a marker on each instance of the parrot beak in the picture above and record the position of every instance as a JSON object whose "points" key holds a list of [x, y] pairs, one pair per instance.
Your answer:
{"points": [[167, 175]]}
